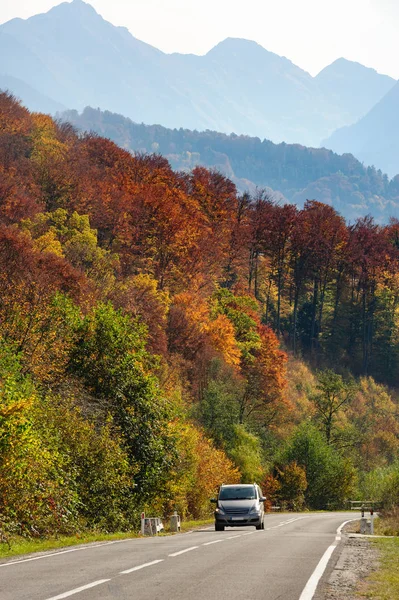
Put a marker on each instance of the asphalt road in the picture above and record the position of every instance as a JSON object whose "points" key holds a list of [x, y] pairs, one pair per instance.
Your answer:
{"points": [[238, 563]]}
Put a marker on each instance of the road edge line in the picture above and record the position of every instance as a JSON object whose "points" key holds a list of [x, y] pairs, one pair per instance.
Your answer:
{"points": [[313, 581]]}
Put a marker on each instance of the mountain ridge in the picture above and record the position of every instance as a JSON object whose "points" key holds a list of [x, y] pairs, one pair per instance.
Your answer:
{"points": [[238, 86]]}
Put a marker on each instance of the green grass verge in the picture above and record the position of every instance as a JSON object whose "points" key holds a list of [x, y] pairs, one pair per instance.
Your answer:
{"points": [[20, 545], [383, 584], [188, 525]]}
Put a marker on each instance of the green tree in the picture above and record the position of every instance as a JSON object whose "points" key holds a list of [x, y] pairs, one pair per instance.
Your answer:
{"points": [[330, 476], [246, 452], [292, 486], [111, 359], [333, 397], [218, 409]]}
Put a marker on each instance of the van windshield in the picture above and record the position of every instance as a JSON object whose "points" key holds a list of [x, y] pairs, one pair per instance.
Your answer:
{"points": [[238, 493]]}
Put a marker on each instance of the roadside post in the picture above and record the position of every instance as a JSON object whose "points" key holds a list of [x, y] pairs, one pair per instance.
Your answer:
{"points": [[372, 521], [175, 522], [142, 523], [366, 525]]}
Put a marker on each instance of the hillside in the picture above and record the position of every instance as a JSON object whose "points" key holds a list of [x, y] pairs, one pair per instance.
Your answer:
{"points": [[238, 86], [296, 172], [373, 139], [30, 97], [151, 325]]}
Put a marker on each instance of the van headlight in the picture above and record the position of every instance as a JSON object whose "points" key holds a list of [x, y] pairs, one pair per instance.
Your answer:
{"points": [[219, 511]]}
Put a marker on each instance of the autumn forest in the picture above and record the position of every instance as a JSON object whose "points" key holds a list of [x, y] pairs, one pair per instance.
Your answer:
{"points": [[162, 333]]}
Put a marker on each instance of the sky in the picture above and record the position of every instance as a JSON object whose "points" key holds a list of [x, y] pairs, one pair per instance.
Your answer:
{"points": [[311, 33]]}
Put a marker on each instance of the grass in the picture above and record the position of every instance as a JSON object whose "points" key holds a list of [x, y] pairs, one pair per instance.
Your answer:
{"points": [[383, 584], [188, 525], [20, 545], [388, 524]]}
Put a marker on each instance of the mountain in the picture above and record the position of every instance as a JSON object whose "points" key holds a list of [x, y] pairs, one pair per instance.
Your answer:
{"points": [[375, 138], [353, 88], [71, 54], [30, 97], [288, 171]]}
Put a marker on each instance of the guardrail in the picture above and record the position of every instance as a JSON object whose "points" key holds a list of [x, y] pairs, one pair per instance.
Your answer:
{"points": [[151, 525], [365, 504]]}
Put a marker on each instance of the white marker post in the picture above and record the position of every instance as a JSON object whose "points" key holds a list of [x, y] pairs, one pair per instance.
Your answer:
{"points": [[142, 523]]}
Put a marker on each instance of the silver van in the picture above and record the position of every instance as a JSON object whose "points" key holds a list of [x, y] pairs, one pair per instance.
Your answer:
{"points": [[239, 505]]}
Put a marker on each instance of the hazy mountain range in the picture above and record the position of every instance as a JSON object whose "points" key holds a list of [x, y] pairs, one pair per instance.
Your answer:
{"points": [[290, 170], [375, 138], [71, 56]]}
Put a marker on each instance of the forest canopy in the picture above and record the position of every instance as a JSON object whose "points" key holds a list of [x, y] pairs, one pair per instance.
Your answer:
{"points": [[161, 333]]}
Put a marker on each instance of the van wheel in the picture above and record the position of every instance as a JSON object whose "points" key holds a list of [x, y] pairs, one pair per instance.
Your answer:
{"points": [[259, 526], [263, 524], [219, 527]]}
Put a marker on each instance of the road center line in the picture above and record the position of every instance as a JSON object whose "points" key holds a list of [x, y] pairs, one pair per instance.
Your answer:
{"points": [[233, 537], [154, 562], [183, 551], [210, 543], [80, 589]]}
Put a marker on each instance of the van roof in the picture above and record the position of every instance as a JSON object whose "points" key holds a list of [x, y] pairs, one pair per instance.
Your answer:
{"points": [[236, 485]]}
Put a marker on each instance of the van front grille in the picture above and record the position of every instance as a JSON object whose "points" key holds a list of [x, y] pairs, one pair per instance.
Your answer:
{"points": [[236, 511]]}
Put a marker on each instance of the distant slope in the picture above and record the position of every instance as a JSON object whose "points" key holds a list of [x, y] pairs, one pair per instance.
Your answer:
{"points": [[30, 97], [71, 54], [297, 172], [375, 138], [353, 88]]}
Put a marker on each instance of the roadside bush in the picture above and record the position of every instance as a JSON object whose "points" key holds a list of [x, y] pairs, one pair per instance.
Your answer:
{"points": [[37, 495], [95, 462]]}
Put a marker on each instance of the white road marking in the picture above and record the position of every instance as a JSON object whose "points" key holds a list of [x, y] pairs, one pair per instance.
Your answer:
{"points": [[310, 588], [314, 579], [51, 555], [286, 523], [340, 528], [233, 537], [80, 589], [154, 562], [183, 551], [214, 542], [249, 533]]}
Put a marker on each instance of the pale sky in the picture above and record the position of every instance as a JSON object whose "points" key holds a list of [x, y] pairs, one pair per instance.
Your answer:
{"points": [[311, 33]]}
